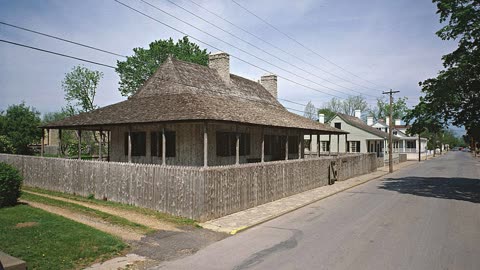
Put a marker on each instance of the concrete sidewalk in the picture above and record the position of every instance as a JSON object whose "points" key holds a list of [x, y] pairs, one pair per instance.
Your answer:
{"points": [[248, 218]]}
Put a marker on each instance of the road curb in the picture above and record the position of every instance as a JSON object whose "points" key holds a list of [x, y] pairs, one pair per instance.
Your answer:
{"points": [[244, 228]]}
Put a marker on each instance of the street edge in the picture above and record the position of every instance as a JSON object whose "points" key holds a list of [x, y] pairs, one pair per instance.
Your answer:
{"points": [[244, 228]]}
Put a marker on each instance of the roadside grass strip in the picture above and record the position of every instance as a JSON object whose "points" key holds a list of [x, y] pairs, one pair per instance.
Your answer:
{"points": [[49, 241], [112, 219], [158, 215]]}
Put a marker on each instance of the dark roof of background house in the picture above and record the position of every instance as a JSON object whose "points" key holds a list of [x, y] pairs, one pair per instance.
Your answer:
{"points": [[358, 123], [183, 91]]}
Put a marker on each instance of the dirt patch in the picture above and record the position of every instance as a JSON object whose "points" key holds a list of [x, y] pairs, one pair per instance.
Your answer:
{"points": [[96, 223], [26, 224], [168, 245], [132, 216]]}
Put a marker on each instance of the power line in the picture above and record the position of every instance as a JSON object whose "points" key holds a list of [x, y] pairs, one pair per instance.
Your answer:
{"points": [[55, 53], [112, 67], [61, 39], [236, 47], [260, 49], [301, 44], [231, 55], [278, 48]]}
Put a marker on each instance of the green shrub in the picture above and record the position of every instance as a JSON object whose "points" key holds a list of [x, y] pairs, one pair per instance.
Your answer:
{"points": [[10, 183]]}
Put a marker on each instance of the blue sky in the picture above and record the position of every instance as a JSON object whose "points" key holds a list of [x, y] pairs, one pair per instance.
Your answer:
{"points": [[390, 43]]}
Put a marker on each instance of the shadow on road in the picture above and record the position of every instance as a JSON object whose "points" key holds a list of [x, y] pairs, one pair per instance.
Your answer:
{"points": [[464, 189]]}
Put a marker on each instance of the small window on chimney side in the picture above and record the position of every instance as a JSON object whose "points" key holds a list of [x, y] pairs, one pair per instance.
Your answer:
{"points": [[338, 125]]}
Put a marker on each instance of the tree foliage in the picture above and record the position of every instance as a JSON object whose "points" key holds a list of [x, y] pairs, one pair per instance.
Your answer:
{"points": [[453, 96], [80, 86], [346, 106], [382, 109], [310, 111], [138, 68], [20, 128]]}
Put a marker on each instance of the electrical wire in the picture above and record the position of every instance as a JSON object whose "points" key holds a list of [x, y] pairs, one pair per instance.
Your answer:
{"points": [[302, 45]]}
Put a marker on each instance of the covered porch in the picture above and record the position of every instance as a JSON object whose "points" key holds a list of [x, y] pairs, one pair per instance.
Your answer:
{"points": [[199, 143]]}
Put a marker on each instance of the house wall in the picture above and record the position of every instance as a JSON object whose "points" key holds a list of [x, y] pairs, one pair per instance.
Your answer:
{"points": [[356, 134], [189, 143], [193, 192]]}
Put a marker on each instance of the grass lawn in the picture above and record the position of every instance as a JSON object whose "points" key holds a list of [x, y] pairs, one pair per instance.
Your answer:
{"points": [[115, 220], [48, 241], [156, 214]]}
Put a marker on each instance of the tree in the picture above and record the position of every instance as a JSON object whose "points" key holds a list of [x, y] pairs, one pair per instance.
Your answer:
{"points": [[382, 109], [69, 143], [138, 68], [346, 106], [329, 114], [310, 111], [20, 127], [80, 86], [454, 94]]}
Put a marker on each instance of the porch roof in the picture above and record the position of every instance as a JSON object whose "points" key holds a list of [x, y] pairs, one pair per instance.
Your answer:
{"points": [[181, 91]]}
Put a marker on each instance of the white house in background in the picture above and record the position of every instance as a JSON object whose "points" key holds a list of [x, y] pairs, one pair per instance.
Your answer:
{"points": [[405, 143], [361, 138]]}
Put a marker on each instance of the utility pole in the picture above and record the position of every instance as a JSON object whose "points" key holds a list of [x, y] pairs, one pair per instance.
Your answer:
{"points": [[390, 131]]}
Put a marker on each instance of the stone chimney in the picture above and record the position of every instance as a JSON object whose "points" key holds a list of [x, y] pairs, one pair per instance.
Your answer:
{"points": [[269, 81], [220, 61], [321, 118], [358, 114], [398, 122], [370, 120]]}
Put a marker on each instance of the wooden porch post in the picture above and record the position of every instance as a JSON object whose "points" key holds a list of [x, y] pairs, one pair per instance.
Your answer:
{"points": [[311, 145], [205, 145], [164, 146], [346, 143], [318, 144], [100, 145], [262, 159], [129, 145], [59, 142], [286, 147], [300, 146], [329, 144], [108, 145], [237, 148], [79, 144], [42, 147], [338, 143]]}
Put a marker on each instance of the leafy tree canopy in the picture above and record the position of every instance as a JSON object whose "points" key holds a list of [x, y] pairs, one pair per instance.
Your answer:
{"points": [[382, 109], [454, 96], [20, 128], [138, 68], [346, 106], [310, 111], [80, 86]]}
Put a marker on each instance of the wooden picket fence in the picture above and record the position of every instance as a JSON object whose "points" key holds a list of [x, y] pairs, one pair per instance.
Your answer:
{"points": [[194, 192]]}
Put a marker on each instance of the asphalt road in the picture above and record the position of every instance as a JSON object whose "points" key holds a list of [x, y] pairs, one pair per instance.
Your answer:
{"points": [[425, 216]]}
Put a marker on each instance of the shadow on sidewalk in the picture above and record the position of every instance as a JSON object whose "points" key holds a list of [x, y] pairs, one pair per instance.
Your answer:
{"points": [[464, 189]]}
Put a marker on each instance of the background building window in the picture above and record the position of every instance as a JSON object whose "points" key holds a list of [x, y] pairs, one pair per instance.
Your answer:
{"points": [[353, 146], [325, 146], [139, 144], [338, 125]]}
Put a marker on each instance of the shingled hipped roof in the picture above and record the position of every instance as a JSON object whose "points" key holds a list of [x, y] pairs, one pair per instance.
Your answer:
{"points": [[182, 91], [358, 123]]}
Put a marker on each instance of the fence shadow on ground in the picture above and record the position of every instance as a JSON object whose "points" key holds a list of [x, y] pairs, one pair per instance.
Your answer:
{"points": [[464, 189]]}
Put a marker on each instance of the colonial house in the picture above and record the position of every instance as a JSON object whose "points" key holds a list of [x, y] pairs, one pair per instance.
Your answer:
{"points": [[362, 138], [410, 145], [194, 115], [405, 143]]}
